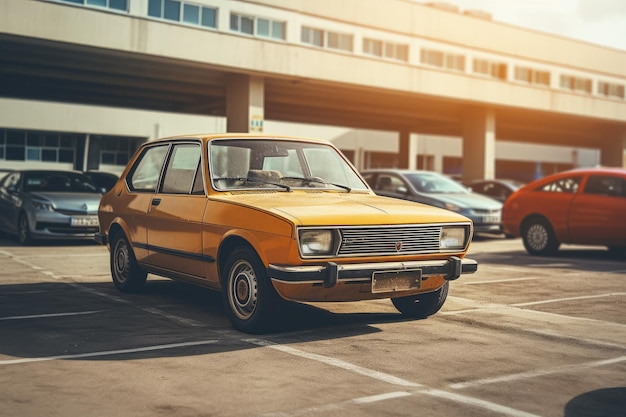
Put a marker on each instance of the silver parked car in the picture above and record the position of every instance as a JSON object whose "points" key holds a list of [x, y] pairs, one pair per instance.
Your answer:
{"points": [[38, 204], [437, 190]]}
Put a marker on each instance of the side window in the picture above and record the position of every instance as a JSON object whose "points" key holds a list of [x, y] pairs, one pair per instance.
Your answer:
{"points": [[389, 183], [181, 170], [369, 179], [605, 185], [145, 173], [563, 185]]}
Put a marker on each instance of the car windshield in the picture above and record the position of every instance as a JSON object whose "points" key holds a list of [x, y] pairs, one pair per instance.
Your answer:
{"points": [[434, 183], [282, 164], [69, 182]]}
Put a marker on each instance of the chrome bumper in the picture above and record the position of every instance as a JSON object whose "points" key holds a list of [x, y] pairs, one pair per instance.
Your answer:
{"points": [[331, 273]]}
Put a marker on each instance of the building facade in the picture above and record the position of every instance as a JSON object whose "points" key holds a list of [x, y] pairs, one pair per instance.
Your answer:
{"points": [[85, 81]]}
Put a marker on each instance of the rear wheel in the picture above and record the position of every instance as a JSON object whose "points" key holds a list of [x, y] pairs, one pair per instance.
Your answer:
{"points": [[250, 300], [422, 305], [126, 273], [539, 238], [23, 230]]}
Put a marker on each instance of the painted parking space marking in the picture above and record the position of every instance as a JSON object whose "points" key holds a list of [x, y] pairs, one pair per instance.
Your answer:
{"points": [[334, 362], [559, 300], [43, 316], [384, 377], [108, 352], [538, 372]]}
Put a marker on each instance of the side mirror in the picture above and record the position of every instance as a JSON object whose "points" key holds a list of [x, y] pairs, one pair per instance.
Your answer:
{"points": [[402, 190]]}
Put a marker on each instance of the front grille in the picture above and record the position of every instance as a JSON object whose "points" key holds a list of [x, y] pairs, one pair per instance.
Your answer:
{"points": [[389, 240]]}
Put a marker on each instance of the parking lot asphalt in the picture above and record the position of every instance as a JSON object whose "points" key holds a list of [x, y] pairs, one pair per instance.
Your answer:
{"points": [[524, 336]]}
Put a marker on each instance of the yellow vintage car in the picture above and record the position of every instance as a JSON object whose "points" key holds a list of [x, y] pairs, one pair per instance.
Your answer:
{"points": [[265, 219]]}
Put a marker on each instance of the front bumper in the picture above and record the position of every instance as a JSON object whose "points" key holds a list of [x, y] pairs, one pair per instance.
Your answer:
{"points": [[331, 273]]}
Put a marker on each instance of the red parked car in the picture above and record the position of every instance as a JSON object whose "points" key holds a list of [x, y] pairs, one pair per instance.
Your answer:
{"points": [[581, 206]]}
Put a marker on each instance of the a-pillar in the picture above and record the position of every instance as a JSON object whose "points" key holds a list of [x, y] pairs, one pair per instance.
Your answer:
{"points": [[244, 104], [479, 144], [612, 150]]}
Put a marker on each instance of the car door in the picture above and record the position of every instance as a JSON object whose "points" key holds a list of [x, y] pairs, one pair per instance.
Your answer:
{"points": [[142, 182], [175, 214], [598, 212]]}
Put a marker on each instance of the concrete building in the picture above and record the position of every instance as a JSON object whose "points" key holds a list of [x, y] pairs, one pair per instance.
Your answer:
{"points": [[392, 82]]}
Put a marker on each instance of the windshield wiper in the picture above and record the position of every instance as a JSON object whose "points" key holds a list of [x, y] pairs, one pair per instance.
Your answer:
{"points": [[286, 187], [317, 180]]}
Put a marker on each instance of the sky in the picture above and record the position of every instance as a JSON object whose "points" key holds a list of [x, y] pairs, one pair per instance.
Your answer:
{"points": [[600, 22]]}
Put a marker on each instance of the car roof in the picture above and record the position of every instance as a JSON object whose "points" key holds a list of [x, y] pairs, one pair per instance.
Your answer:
{"points": [[207, 137]]}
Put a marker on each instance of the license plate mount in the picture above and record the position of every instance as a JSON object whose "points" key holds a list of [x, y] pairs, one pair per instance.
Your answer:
{"points": [[399, 280]]}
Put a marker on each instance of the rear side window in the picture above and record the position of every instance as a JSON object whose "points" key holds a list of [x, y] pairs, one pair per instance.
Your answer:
{"points": [[182, 169], [563, 185], [144, 175], [605, 185]]}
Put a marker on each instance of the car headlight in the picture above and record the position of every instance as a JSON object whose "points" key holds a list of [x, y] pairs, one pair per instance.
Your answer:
{"points": [[453, 237], [40, 205], [317, 242]]}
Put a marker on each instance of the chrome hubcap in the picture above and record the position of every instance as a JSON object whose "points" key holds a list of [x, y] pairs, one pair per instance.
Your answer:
{"points": [[243, 290], [120, 262], [537, 236]]}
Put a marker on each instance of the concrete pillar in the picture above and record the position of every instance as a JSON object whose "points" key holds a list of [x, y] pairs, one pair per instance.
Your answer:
{"points": [[612, 150], [479, 144], [413, 152], [404, 149], [244, 104]]}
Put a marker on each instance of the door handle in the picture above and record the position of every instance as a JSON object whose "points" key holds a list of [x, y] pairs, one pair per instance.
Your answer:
{"points": [[156, 201]]}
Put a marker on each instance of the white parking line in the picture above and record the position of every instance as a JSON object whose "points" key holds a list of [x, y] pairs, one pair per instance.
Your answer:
{"points": [[497, 281], [536, 373], [391, 379], [558, 300], [107, 352], [40, 316]]}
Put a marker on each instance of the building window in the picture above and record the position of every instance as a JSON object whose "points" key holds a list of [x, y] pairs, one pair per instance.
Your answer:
{"points": [[340, 41], [312, 36], [490, 69], [182, 11], [443, 60], [121, 5], [386, 49], [116, 150], [611, 89], [532, 76], [332, 40], [20, 145], [576, 83], [257, 26]]}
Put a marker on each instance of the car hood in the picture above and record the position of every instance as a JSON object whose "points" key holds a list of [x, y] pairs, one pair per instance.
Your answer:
{"points": [[468, 201], [86, 203], [324, 208]]}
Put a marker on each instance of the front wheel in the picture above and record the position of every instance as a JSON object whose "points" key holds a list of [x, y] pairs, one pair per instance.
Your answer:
{"points": [[250, 300], [539, 238], [23, 230], [421, 306], [126, 273]]}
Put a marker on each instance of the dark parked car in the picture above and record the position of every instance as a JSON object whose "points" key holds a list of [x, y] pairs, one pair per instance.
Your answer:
{"points": [[37, 204], [103, 180], [582, 206], [497, 189], [437, 190]]}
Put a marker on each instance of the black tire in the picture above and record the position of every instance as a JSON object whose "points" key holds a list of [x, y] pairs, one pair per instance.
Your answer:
{"points": [[126, 273], [250, 300], [422, 305], [539, 238], [23, 230]]}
